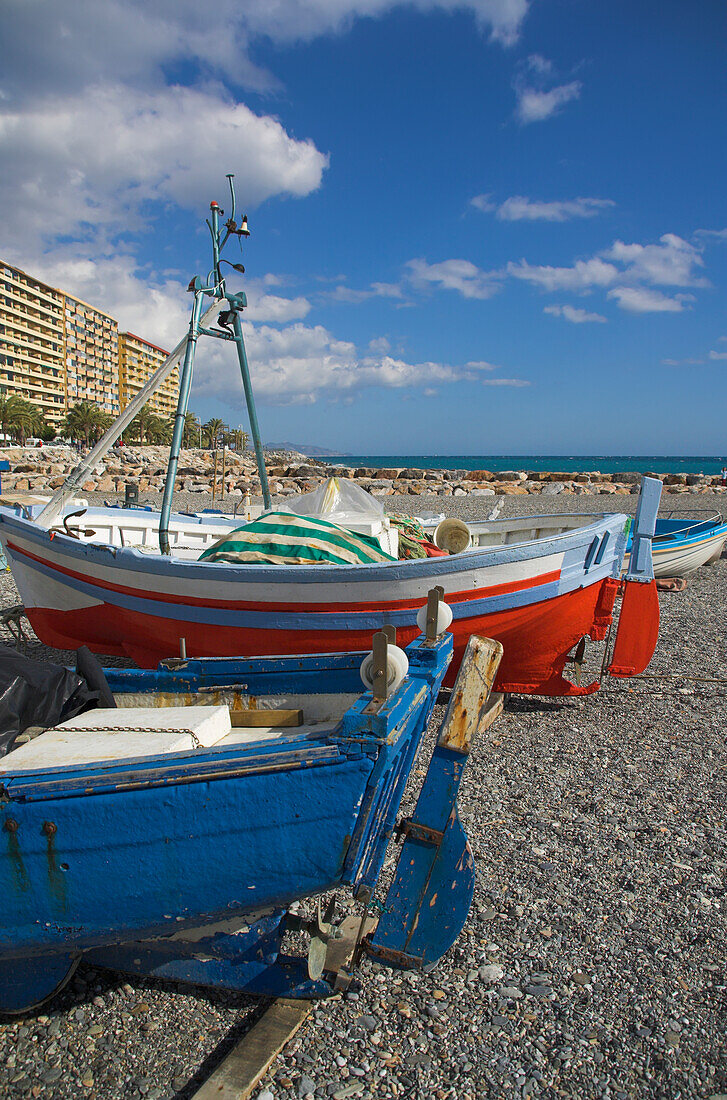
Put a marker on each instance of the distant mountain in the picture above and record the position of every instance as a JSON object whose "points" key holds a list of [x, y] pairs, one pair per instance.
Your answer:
{"points": [[304, 448]]}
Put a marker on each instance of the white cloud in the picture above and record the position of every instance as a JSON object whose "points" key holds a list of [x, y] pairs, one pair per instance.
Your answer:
{"points": [[272, 307], [718, 355], [537, 95], [288, 20], [517, 382], [377, 290], [582, 276], [520, 208], [460, 275], [712, 234], [95, 161], [301, 364], [639, 299], [65, 45], [483, 203], [682, 362], [573, 314], [672, 262], [480, 364], [536, 106]]}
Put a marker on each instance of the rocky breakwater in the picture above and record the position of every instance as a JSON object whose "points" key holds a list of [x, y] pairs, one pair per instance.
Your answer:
{"points": [[482, 483], [45, 469]]}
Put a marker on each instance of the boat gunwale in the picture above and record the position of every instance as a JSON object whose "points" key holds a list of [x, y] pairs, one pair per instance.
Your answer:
{"points": [[711, 527], [129, 558]]}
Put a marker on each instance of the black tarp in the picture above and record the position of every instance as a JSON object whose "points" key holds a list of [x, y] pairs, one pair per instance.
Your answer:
{"points": [[38, 693]]}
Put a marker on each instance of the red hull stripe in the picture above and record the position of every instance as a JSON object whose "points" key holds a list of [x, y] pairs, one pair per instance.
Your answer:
{"points": [[536, 638], [248, 605]]}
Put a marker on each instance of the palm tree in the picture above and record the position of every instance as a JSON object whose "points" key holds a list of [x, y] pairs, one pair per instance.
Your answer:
{"points": [[85, 421], [212, 430], [145, 422], [159, 430], [190, 434], [104, 421], [240, 439], [27, 419], [8, 413]]}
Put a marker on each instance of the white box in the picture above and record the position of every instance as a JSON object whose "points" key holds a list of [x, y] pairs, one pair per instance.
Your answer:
{"points": [[120, 734]]}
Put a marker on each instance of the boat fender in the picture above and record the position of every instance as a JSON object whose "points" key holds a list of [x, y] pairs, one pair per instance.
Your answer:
{"points": [[397, 663], [444, 618]]}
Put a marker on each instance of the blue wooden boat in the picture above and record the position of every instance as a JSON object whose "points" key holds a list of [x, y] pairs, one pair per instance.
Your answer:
{"points": [[684, 543], [184, 864]]}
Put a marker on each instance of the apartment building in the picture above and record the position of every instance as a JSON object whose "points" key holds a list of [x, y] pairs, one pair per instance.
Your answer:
{"points": [[92, 355], [33, 341], [57, 350], [138, 359]]}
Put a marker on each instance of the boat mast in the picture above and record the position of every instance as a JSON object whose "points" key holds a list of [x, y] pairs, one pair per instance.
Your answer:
{"points": [[230, 328]]}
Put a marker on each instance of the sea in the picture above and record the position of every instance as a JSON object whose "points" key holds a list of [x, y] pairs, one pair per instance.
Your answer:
{"points": [[604, 464]]}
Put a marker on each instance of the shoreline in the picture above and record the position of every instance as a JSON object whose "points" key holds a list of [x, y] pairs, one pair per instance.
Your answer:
{"points": [[43, 470]]}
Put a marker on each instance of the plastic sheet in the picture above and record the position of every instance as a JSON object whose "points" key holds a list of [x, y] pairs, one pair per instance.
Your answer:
{"points": [[37, 693], [340, 501]]}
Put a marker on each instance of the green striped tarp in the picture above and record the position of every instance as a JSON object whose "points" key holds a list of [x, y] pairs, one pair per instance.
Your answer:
{"points": [[282, 538]]}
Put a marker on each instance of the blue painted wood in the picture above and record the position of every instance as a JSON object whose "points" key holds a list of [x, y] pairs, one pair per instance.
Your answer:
{"points": [[640, 564], [431, 893], [121, 861], [320, 674]]}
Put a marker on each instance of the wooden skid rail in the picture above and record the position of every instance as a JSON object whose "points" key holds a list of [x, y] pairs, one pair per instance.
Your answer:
{"points": [[239, 1073]]}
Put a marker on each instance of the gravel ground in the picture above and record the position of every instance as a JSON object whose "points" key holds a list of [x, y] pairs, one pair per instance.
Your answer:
{"points": [[593, 960]]}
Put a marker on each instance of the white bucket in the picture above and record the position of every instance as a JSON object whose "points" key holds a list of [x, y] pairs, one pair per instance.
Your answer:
{"points": [[453, 535]]}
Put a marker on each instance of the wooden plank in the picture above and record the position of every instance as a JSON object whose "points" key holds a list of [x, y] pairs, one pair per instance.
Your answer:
{"points": [[252, 718], [468, 703], [338, 955], [495, 704], [245, 1065]]}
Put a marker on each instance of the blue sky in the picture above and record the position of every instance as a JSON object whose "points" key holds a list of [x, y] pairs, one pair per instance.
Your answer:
{"points": [[487, 227]]}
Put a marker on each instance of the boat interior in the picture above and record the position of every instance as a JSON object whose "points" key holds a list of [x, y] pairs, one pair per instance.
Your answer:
{"points": [[177, 723], [190, 534], [689, 524]]}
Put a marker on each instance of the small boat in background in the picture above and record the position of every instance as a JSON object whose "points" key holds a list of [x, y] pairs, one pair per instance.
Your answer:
{"points": [[681, 545], [163, 837]]}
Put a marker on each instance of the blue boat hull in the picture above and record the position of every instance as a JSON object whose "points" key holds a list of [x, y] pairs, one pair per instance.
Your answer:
{"points": [[154, 864]]}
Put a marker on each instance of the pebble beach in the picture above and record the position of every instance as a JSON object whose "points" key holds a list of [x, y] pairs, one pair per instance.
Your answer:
{"points": [[593, 962]]}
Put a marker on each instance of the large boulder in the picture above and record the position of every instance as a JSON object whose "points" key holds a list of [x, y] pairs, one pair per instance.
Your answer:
{"points": [[480, 475]]}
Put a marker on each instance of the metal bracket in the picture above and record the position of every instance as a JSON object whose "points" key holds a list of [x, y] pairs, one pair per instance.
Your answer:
{"points": [[409, 828], [393, 958], [380, 686], [434, 596]]}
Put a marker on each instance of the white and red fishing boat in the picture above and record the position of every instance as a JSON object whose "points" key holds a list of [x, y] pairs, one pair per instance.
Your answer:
{"points": [[128, 582]]}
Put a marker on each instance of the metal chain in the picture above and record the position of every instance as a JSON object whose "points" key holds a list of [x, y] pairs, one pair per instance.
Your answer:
{"points": [[133, 729]]}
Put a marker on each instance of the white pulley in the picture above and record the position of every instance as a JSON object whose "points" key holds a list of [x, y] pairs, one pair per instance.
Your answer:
{"points": [[444, 618], [397, 664]]}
